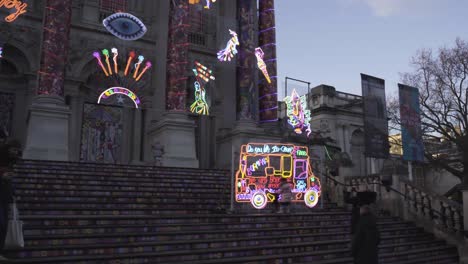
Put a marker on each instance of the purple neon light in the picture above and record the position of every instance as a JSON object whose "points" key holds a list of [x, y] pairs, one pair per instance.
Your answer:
{"points": [[268, 109], [267, 95], [268, 29]]}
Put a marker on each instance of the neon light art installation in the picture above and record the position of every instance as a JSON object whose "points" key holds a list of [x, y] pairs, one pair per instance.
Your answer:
{"points": [[228, 53], [261, 167], [203, 75], [261, 64], [125, 26], [109, 65], [16, 4], [119, 90], [1, 52], [297, 112], [208, 3]]}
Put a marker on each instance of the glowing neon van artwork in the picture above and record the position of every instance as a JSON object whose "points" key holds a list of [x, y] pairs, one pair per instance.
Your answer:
{"points": [[261, 167]]}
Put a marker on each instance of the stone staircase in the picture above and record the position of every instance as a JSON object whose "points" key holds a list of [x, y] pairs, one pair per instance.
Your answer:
{"points": [[101, 213]]}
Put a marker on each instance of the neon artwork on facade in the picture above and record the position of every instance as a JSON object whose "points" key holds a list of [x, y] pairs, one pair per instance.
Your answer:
{"points": [[19, 6], [1, 52], [297, 112], [119, 90], [126, 75], [208, 3], [261, 64], [125, 26], [228, 53], [261, 167], [203, 75]]}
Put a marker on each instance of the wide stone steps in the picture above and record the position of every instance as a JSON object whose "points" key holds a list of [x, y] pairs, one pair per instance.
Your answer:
{"points": [[106, 213]]}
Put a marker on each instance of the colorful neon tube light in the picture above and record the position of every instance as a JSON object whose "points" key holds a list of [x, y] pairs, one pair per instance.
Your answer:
{"points": [[261, 64], [261, 167], [115, 54], [19, 6], [228, 53], [297, 112], [203, 75], [119, 90]]}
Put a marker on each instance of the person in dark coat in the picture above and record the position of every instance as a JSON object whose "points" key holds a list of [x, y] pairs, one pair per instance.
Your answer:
{"points": [[9, 154], [351, 198], [364, 245]]}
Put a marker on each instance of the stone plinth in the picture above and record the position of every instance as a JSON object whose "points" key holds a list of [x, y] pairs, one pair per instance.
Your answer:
{"points": [[47, 137], [176, 132]]}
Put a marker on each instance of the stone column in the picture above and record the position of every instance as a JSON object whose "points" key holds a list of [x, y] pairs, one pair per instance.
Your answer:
{"points": [[246, 61], [174, 130], [47, 136], [268, 92]]}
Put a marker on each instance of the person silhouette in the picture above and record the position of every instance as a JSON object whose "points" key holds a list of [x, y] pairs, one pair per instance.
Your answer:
{"points": [[365, 241]]}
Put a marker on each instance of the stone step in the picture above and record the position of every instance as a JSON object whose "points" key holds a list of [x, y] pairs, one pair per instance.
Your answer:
{"points": [[116, 177], [289, 253], [157, 198], [133, 228], [174, 187], [120, 193]]}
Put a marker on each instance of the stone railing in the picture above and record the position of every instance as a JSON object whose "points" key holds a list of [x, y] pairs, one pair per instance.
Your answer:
{"points": [[435, 213]]}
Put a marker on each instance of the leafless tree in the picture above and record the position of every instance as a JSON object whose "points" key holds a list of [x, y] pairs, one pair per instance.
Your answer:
{"points": [[441, 77]]}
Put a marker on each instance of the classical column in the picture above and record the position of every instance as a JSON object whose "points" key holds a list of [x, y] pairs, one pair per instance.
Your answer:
{"points": [[268, 92], [177, 55], [49, 116], [246, 61], [174, 130]]}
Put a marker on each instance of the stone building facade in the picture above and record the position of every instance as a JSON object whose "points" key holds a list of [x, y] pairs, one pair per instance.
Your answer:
{"points": [[60, 120]]}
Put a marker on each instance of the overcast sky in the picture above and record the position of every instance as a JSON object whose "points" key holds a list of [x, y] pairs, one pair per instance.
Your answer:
{"points": [[333, 41]]}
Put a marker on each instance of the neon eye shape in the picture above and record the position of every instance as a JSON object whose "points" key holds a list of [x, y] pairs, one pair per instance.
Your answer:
{"points": [[125, 26]]}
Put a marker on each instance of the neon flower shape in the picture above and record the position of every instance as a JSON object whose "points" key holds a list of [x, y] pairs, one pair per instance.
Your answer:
{"points": [[115, 54], [297, 112], [261, 64], [208, 3], [203, 75], [230, 50]]}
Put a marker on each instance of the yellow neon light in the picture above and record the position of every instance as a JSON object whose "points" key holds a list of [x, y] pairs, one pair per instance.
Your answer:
{"points": [[18, 5]]}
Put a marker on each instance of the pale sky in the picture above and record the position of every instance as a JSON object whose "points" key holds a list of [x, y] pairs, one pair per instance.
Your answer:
{"points": [[333, 41]]}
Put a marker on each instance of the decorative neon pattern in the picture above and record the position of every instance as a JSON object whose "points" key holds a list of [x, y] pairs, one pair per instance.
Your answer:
{"points": [[119, 90], [136, 73], [125, 26], [208, 3], [261, 167], [16, 4], [261, 64], [203, 75], [230, 50], [1, 52], [297, 112]]}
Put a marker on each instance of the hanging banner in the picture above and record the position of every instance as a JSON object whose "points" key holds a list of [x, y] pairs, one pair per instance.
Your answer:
{"points": [[410, 116], [375, 117]]}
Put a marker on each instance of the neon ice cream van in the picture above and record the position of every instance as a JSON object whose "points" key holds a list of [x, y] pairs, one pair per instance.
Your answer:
{"points": [[261, 167]]}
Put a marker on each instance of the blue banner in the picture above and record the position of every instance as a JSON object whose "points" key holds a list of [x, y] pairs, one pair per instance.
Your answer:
{"points": [[410, 115]]}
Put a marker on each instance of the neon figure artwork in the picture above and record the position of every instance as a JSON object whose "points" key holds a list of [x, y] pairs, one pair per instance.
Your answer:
{"points": [[203, 75], [119, 90], [261, 64], [18, 5], [109, 65], [125, 26], [261, 167], [228, 53], [297, 112]]}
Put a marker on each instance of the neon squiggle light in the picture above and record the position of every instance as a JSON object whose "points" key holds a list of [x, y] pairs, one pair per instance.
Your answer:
{"points": [[203, 75], [230, 50], [261, 64], [263, 165], [119, 90], [297, 112], [18, 5]]}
